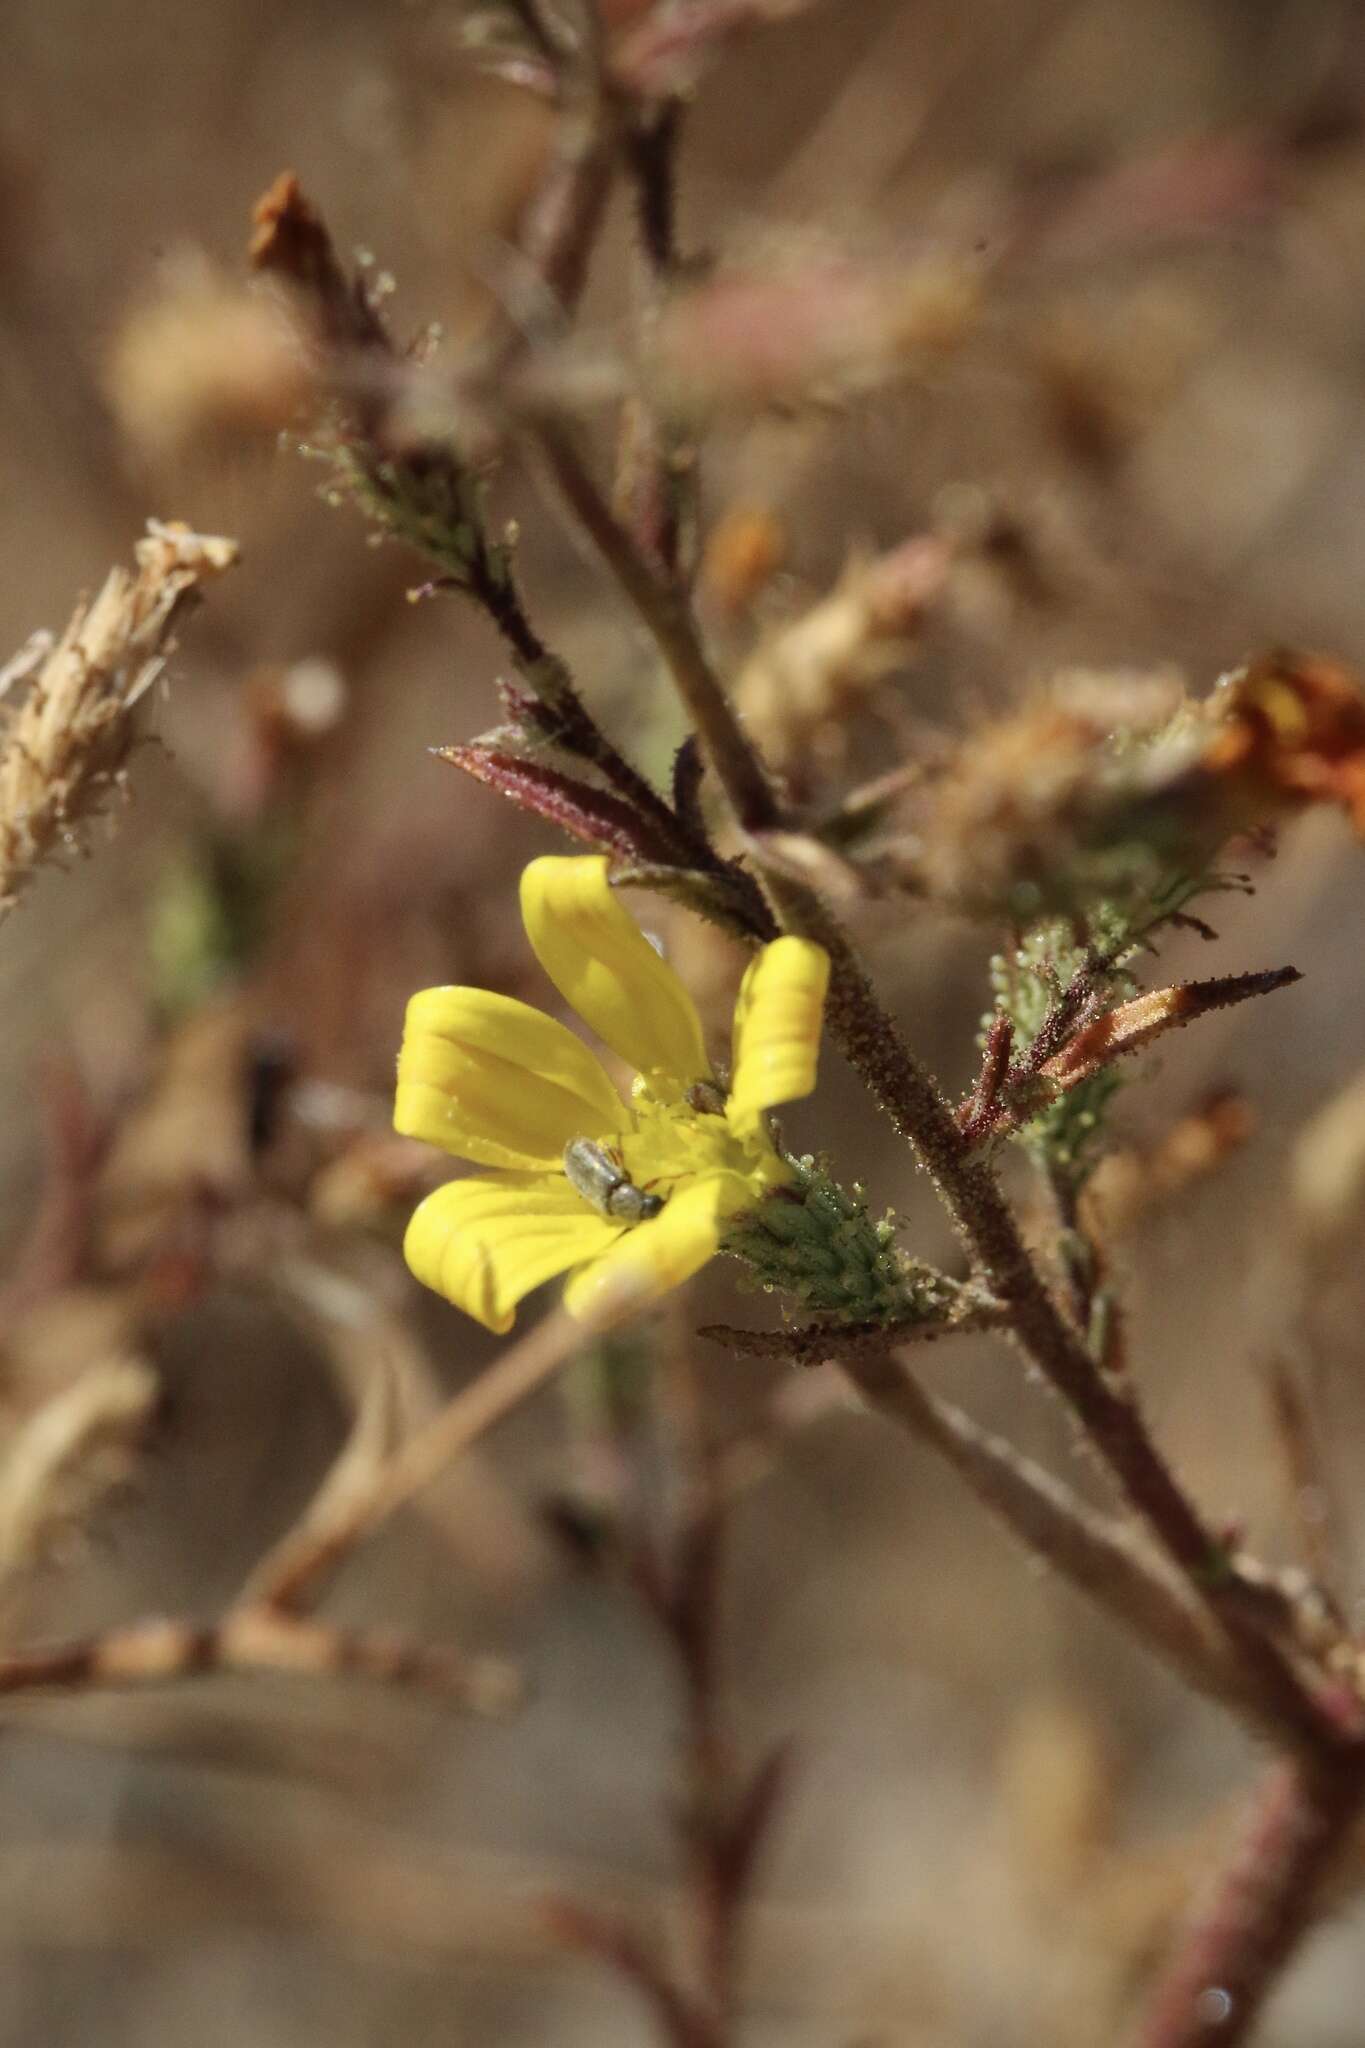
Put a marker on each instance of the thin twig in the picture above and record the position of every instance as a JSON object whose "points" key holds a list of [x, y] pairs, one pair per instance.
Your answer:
{"points": [[1313, 1505], [562, 222], [651, 152], [551, 35], [251, 1638], [817, 1343], [292, 1576], [664, 608], [656, 470], [1100, 1557]]}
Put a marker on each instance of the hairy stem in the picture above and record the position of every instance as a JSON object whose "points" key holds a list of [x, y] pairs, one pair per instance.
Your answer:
{"points": [[665, 609], [873, 1045], [1262, 1906], [1099, 1557], [576, 729], [656, 469], [1107, 1417]]}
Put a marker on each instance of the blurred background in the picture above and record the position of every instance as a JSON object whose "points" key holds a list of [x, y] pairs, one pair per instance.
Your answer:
{"points": [[1149, 450]]}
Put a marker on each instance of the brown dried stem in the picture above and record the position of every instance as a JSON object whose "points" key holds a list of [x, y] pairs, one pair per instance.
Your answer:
{"points": [[656, 472], [294, 1573], [266, 1629], [563, 218], [252, 1638]]}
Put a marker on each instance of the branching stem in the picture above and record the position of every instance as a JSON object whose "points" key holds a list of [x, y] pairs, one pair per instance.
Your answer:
{"points": [[1108, 1419], [1100, 1558]]}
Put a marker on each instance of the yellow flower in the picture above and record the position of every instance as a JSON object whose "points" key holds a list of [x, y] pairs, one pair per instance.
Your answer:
{"points": [[492, 1080]]}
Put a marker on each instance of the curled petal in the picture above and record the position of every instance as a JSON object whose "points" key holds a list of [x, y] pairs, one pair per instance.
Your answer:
{"points": [[652, 1258], [778, 1020], [492, 1080], [602, 963], [485, 1242]]}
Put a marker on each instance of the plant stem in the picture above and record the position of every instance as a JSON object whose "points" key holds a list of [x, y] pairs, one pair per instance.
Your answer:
{"points": [[577, 731], [656, 470], [1101, 1558], [292, 1575], [1107, 1416], [560, 228], [874, 1047], [665, 610], [1264, 1903]]}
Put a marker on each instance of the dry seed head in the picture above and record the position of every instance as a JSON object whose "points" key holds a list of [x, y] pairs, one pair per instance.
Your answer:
{"points": [[63, 746], [1290, 730], [804, 681], [1027, 794]]}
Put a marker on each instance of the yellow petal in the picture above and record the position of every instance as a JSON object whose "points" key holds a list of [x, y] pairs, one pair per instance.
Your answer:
{"points": [[778, 1020], [485, 1242], [602, 963], [651, 1258], [491, 1079]]}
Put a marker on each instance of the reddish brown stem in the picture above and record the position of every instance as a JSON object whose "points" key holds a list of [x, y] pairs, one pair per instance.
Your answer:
{"points": [[1107, 1416], [1265, 1902]]}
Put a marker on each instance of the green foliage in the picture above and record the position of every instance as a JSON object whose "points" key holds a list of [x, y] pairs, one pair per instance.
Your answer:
{"points": [[430, 500], [1090, 962], [816, 1240], [1028, 983]]}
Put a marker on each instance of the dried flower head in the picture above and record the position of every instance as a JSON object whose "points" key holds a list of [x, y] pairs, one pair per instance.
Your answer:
{"points": [[1290, 730], [61, 750], [802, 684], [1108, 786], [1027, 802]]}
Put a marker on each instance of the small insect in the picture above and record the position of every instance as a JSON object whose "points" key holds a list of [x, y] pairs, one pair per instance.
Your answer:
{"points": [[599, 1176]]}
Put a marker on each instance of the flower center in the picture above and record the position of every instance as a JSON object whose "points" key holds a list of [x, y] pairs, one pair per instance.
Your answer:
{"points": [[630, 1174]]}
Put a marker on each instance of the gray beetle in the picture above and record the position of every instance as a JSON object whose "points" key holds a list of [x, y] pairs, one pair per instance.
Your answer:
{"points": [[598, 1174]]}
